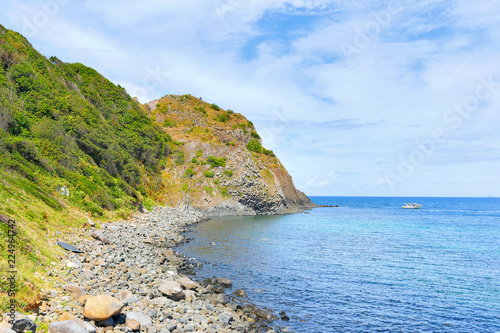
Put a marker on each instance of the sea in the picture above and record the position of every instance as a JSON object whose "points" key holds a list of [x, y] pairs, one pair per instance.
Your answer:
{"points": [[365, 266]]}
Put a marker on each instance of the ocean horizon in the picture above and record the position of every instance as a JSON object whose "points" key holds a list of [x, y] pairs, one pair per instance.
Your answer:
{"points": [[365, 266]]}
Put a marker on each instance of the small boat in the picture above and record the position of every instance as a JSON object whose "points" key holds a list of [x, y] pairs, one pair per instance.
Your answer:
{"points": [[412, 206]]}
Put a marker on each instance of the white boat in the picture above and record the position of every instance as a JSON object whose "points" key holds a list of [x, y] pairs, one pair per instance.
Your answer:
{"points": [[412, 206]]}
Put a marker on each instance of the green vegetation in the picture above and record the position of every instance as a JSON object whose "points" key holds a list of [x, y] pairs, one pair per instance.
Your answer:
{"points": [[208, 174], [255, 135], [223, 117], [228, 173], [254, 145], [179, 157], [189, 173], [199, 153], [268, 152], [216, 181], [66, 125], [209, 190], [224, 192], [201, 109], [216, 162], [215, 107]]}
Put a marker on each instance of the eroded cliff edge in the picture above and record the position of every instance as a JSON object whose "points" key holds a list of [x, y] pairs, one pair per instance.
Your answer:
{"points": [[219, 166]]}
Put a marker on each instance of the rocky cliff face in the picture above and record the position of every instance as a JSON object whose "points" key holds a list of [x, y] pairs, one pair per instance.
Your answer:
{"points": [[219, 166]]}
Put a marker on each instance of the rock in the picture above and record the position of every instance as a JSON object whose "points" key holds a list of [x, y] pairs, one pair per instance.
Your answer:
{"points": [[142, 318], [171, 326], [22, 323], [83, 299], [5, 219], [172, 289], [99, 235], [150, 240], [91, 223], [241, 293], [188, 283], [226, 317], [284, 316], [68, 316], [119, 319], [76, 290], [67, 326], [6, 330], [106, 322], [168, 253], [101, 307], [133, 324], [63, 190], [224, 282]]}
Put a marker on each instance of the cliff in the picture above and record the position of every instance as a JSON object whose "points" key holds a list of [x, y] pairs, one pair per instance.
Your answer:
{"points": [[224, 170]]}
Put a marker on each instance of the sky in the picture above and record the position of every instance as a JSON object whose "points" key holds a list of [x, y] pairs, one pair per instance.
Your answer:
{"points": [[356, 98]]}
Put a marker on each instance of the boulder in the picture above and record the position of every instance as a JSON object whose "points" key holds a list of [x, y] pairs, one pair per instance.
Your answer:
{"points": [[99, 235], [67, 326], [188, 283], [68, 316], [101, 307], [75, 290], [83, 299], [133, 324], [172, 289], [241, 293], [143, 319], [224, 282], [22, 323]]}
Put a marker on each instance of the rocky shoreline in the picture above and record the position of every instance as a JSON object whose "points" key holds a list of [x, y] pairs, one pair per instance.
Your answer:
{"points": [[129, 279]]}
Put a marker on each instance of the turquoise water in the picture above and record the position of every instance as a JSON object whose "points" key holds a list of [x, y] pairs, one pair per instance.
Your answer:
{"points": [[367, 266]]}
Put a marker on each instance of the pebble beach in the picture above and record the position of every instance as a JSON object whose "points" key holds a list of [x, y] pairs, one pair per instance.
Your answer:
{"points": [[130, 279]]}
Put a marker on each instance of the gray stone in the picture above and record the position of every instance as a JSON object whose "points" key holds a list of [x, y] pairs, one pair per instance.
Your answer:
{"points": [[171, 326], [67, 326], [142, 318], [224, 282], [226, 317], [241, 293], [76, 290], [6, 330], [99, 235], [23, 323]]}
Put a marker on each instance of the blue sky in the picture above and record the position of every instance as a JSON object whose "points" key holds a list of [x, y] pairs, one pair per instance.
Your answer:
{"points": [[355, 97]]}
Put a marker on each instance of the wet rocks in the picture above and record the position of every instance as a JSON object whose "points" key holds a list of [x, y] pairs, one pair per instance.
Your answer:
{"points": [[101, 307], [240, 293], [224, 282]]}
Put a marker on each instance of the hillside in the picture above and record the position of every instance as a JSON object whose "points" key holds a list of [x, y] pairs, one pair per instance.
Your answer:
{"points": [[74, 146], [221, 167]]}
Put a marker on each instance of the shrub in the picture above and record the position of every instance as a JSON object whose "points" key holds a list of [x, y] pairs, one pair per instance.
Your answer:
{"points": [[208, 174], [228, 173], [254, 145], [215, 107], [194, 160], [216, 181], [216, 162], [268, 152], [209, 190], [179, 157], [199, 152], [230, 111], [223, 117], [224, 192], [199, 108], [255, 135], [189, 173]]}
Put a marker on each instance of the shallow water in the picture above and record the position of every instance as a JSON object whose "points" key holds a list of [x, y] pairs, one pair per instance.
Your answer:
{"points": [[366, 266]]}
